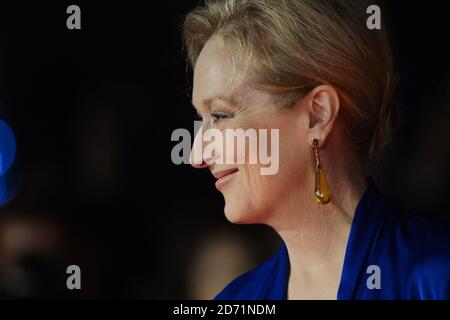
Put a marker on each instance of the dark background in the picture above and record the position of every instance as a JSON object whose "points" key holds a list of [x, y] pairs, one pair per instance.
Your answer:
{"points": [[93, 111]]}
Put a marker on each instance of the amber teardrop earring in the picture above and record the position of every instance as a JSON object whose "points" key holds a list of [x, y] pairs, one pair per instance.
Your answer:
{"points": [[321, 189]]}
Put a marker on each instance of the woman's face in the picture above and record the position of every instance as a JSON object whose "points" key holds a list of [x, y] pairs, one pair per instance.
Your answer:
{"points": [[250, 197]]}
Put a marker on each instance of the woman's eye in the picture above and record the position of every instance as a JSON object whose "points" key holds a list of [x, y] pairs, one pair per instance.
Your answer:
{"points": [[216, 116]]}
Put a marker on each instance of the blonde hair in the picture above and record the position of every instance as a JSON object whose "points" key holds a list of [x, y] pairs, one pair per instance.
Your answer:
{"points": [[291, 46]]}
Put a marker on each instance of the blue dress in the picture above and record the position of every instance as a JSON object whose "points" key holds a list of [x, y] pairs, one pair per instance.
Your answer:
{"points": [[390, 255]]}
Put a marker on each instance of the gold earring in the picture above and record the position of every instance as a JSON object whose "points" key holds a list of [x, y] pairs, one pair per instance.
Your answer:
{"points": [[321, 190]]}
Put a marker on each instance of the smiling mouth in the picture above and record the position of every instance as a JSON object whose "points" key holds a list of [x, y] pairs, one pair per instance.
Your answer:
{"points": [[223, 177]]}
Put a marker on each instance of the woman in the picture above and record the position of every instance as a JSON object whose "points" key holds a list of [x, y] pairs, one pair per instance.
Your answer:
{"points": [[314, 71]]}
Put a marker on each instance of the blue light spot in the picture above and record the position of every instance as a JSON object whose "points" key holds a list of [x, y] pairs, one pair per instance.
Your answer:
{"points": [[7, 147]]}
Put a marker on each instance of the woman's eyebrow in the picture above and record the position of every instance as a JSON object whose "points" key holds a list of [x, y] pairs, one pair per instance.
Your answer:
{"points": [[208, 101], [225, 99]]}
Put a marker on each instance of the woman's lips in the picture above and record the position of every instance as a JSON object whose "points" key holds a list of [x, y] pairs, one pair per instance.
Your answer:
{"points": [[223, 177]]}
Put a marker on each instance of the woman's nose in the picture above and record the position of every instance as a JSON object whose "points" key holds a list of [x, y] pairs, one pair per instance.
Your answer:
{"points": [[197, 158], [200, 160], [201, 165]]}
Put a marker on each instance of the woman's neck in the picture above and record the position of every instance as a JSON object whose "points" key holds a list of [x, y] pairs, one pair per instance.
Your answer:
{"points": [[316, 237]]}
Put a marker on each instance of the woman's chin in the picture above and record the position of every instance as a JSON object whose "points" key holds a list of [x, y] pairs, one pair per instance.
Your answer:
{"points": [[237, 214]]}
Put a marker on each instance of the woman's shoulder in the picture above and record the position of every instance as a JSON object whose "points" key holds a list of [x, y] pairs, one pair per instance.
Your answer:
{"points": [[418, 253], [423, 235], [423, 242], [411, 234], [254, 284]]}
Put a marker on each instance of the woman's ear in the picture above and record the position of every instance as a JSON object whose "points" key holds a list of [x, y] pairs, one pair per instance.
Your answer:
{"points": [[323, 105]]}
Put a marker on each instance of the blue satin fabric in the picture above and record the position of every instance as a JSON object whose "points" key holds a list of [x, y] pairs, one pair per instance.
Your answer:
{"points": [[413, 256]]}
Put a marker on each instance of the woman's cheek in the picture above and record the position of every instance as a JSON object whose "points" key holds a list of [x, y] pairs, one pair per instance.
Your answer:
{"points": [[231, 149], [255, 180]]}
